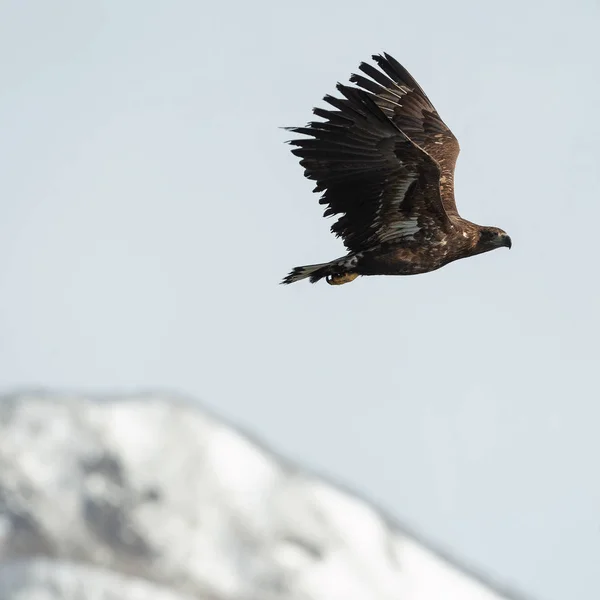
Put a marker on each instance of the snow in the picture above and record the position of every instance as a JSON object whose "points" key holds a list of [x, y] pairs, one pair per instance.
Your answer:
{"points": [[147, 496]]}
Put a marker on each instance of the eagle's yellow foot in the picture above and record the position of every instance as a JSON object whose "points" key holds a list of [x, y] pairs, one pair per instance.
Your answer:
{"points": [[341, 279]]}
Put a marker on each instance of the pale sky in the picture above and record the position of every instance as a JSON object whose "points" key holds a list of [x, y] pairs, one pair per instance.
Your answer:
{"points": [[149, 208]]}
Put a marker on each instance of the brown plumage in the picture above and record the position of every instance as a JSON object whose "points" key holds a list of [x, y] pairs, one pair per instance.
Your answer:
{"points": [[384, 160]]}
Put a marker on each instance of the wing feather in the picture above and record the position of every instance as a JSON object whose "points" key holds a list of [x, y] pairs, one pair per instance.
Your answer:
{"points": [[383, 186], [401, 98]]}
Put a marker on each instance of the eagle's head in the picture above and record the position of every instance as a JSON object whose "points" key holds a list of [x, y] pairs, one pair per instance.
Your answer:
{"points": [[491, 238]]}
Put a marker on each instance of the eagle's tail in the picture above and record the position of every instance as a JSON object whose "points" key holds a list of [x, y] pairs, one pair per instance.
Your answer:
{"points": [[337, 272], [315, 272]]}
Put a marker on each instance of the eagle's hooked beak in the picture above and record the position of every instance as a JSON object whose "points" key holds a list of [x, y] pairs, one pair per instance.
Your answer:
{"points": [[507, 241]]}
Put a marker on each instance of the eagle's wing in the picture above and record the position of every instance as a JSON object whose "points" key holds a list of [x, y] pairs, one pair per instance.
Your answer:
{"points": [[402, 100], [385, 187]]}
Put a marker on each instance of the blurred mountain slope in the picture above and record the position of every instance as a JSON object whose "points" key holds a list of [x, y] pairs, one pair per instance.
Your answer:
{"points": [[147, 496]]}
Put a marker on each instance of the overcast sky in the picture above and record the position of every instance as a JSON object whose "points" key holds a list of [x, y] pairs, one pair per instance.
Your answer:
{"points": [[149, 208]]}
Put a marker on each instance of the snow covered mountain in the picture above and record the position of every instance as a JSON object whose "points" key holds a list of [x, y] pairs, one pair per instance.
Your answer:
{"points": [[147, 497]]}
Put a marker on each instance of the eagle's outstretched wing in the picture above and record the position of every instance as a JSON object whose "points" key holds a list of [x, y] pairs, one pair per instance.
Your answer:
{"points": [[401, 98], [385, 187]]}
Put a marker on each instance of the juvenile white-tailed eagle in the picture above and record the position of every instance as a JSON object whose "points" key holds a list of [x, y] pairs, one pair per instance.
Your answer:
{"points": [[385, 162]]}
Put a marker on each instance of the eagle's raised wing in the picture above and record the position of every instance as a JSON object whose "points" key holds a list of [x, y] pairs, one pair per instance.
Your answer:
{"points": [[385, 187], [401, 98]]}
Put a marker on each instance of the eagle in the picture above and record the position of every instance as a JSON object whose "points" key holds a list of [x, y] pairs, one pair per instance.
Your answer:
{"points": [[384, 161]]}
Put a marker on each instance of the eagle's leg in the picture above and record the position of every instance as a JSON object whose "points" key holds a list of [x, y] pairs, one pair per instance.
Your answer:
{"points": [[341, 279]]}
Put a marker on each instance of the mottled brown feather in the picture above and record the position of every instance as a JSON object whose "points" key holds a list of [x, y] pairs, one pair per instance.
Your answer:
{"points": [[384, 186], [401, 98]]}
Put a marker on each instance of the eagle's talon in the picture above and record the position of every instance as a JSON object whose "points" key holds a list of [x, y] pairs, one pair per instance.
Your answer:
{"points": [[341, 279]]}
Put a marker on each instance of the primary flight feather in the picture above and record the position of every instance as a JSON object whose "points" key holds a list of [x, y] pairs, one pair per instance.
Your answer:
{"points": [[384, 160]]}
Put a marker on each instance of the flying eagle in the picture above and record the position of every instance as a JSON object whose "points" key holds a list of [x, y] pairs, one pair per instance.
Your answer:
{"points": [[385, 161]]}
